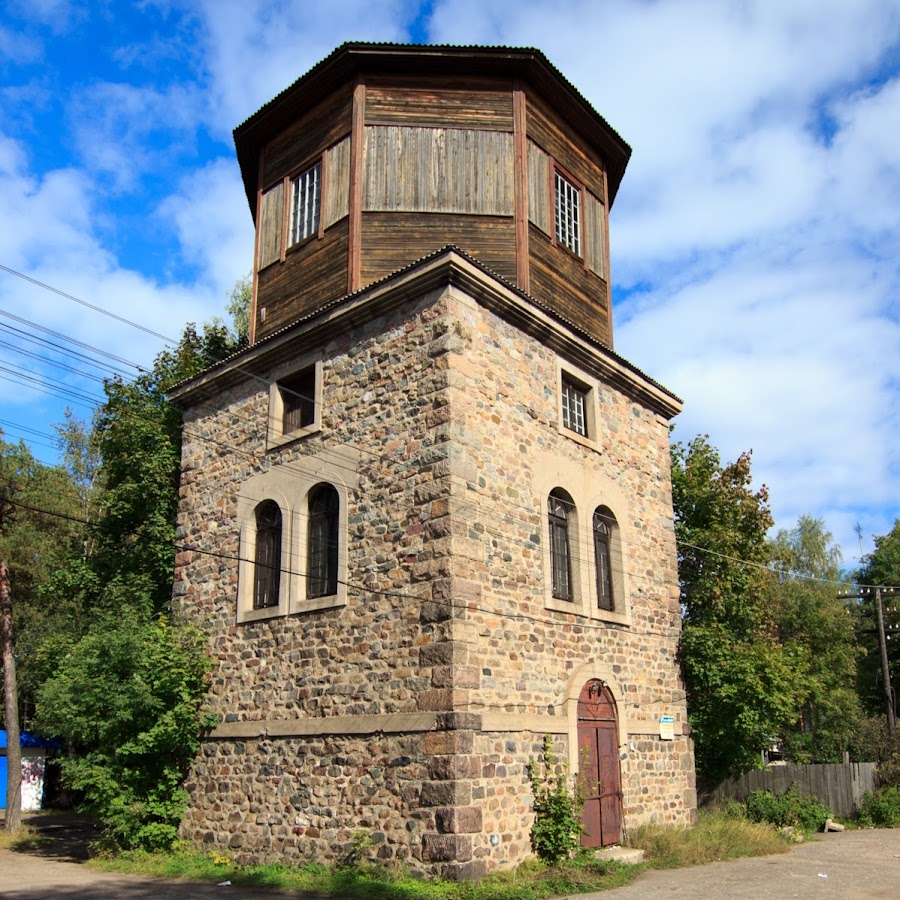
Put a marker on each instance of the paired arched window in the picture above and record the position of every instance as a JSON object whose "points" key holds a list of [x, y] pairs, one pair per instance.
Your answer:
{"points": [[322, 541], [267, 569], [570, 537], [603, 524], [559, 513]]}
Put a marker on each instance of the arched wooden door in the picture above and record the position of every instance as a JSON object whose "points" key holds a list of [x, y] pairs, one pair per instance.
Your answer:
{"points": [[598, 765]]}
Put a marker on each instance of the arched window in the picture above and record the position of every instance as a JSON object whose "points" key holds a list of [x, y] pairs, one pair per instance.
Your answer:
{"points": [[559, 512], [322, 546], [604, 523], [267, 571]]}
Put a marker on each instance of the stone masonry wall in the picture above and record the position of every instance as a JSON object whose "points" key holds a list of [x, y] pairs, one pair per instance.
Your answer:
{"points": [[450, 417]]}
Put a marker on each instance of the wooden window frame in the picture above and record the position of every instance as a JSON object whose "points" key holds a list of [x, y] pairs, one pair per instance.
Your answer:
{"points": [[575, 399], [293, 178], [560, 517], [558, 172], [281, 399], [267, 556], [322, 541], [603, 524], [585, 385]]}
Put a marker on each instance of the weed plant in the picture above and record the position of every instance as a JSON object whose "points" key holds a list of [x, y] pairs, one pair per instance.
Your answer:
{"points": [[788, 810], [881, 809]]}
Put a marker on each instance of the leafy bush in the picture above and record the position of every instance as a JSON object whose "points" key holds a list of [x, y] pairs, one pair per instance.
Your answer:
{"points": [[127, 700], [881, 809], [556, 831], [787, 810]]}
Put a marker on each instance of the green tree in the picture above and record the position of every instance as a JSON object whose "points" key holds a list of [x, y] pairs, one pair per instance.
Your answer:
{"points": [[35, 545], [810, 615], [128, 697], [30, 543], [744, 687]]}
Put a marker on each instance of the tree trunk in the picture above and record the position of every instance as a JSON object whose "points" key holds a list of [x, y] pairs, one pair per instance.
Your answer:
{"points": [[11, 700]]}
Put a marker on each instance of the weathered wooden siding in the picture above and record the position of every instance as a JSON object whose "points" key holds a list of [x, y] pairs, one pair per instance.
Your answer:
{"points": [[594, 237], [566, 148], [469, 103], [561, 281], [539, 209], [438, 170], [840, 786], [311, 275], [336, 189], [271, 213], [391, 241], [321, 127]]}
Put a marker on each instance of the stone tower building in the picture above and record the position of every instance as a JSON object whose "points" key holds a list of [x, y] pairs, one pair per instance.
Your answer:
{"points": [[429, 509]]}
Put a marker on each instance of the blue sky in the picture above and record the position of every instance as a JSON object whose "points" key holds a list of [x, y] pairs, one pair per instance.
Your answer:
{"points": [[755, 240]]}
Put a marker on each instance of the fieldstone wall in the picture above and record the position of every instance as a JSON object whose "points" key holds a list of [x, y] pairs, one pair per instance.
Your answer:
{"points": [[445, 417]]}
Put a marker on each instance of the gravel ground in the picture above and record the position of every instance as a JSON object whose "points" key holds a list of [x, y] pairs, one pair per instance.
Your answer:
{"points": [[858, 864], [849, 864]]}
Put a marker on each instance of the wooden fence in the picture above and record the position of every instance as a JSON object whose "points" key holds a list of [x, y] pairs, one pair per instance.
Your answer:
{"points": [[840, 786]]}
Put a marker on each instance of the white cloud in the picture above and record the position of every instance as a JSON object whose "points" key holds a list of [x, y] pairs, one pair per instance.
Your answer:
{"points": [[125, 131], [213, 222], [255, 50]]}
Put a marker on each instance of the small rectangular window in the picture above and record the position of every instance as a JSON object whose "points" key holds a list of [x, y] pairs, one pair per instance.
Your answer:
{"points": [[568, 218], [574, 407], [298, 400], [306, 195]]}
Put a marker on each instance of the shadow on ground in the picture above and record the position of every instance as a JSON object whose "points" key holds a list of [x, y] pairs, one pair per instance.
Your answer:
{"points": [[66, 836]]}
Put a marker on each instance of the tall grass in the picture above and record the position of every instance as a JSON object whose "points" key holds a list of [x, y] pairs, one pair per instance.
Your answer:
{"points": [[716, 836]]}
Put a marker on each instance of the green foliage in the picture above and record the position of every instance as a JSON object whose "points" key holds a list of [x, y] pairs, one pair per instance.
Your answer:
{"points": [[239, 298], [881, 809], [743, 685], [787, 810], [812, 619], [128, 698], [556, 832], [35, 545]]}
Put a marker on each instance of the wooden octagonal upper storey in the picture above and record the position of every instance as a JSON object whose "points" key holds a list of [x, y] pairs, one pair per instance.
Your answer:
{"points": [[381, 154]]}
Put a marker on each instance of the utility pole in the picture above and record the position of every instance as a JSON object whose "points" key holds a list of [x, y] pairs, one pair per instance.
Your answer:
{"points": [[885, 668], [882, 643], [11, 708]]}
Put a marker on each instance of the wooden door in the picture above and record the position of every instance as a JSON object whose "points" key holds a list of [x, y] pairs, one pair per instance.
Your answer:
{"points": [[598, 765]]}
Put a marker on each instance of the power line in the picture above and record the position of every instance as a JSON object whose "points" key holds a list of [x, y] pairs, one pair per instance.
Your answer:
{"points": [[75, 299]]}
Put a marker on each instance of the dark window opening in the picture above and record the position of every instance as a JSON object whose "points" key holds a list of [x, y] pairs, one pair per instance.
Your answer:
{"points": [[298, 400], [603, 525], [322, 555], [559, 508], [267, 570]]}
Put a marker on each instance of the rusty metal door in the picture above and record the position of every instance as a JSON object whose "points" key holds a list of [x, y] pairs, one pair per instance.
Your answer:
{"points": [[598, 759]]}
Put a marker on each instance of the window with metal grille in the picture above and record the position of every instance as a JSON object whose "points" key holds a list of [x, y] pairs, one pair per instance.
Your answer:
{"points": [[568, 218], [559, 508], [322, 547], [603, 525], [573, 407], [306, 192], [267, 569], [298, 400]]}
